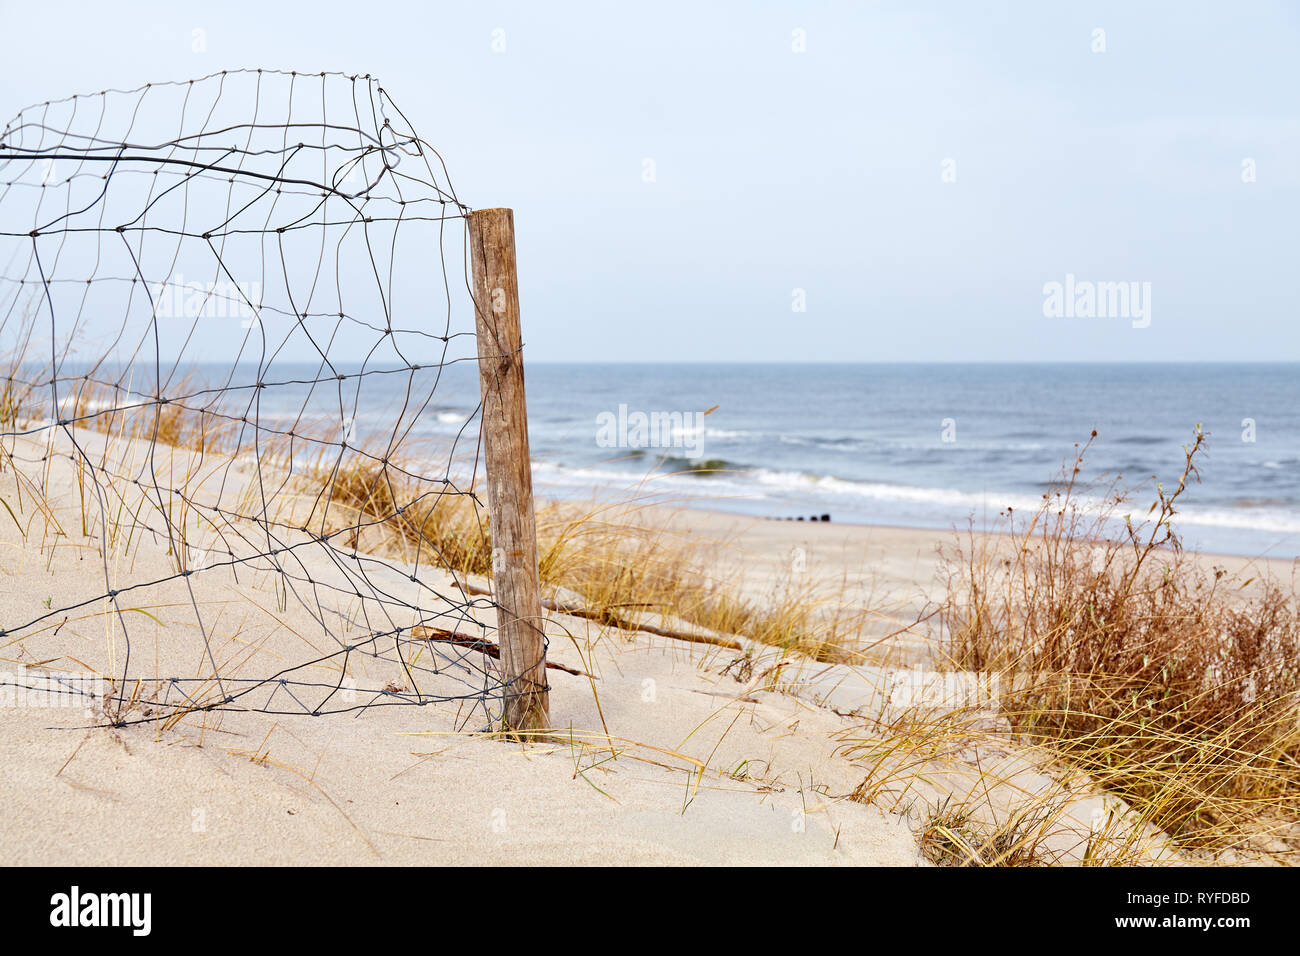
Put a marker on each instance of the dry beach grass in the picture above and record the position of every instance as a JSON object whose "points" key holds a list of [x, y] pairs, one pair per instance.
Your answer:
{"points": [[1173, 684]]}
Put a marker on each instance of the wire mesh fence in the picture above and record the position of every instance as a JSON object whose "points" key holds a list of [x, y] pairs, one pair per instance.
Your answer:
{"points": [[240, 426]]}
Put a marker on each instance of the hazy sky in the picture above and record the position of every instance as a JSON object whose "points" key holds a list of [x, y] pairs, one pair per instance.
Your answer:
{"points": [[821, 170]]}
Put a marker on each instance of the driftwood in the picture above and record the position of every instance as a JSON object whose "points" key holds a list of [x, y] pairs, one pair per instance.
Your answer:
{"points": [[422, 632], [605, 616]]}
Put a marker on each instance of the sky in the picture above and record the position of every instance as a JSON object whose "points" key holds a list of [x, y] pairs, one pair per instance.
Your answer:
{"points": [[831, 181]]}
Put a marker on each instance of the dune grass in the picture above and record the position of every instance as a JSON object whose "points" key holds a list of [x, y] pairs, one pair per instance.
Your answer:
{"points": [[615, 556], [1169, 683]]}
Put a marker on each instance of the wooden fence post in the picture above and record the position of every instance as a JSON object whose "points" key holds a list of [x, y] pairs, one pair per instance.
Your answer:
{"points": [[509, 469]]}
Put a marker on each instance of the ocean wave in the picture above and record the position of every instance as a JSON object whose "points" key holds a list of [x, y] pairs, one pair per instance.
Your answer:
{"points": [[827, 492], [681, 433], [796, 482], [1281, 521], [879, 443]]}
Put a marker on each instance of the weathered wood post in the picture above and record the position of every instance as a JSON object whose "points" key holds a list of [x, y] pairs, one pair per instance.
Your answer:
{"points": [[509, 469]]}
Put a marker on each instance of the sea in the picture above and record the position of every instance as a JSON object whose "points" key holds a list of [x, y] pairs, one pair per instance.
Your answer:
{"points": [[933, 445]]}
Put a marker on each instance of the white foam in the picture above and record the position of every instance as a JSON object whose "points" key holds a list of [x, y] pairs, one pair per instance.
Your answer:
{"points": [[823, 490]]}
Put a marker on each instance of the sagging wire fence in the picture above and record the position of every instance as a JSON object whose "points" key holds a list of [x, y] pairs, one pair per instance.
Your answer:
{"points": [[240, 419]]}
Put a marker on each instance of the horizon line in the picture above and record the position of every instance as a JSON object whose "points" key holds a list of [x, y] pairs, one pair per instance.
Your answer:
{"points": [[1294, 361]]}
